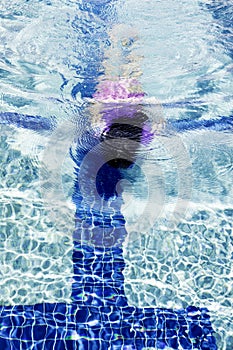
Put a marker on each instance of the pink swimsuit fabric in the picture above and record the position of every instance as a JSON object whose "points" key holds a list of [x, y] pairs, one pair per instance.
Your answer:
{"points": [[126, 92], [122, 89]]}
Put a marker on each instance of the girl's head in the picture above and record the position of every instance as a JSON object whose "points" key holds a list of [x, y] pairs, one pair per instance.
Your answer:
{"points": [[127, 122]]}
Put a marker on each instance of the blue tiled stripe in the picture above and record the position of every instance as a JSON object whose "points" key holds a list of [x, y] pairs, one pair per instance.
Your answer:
{"points": [[62, 326], [99, 316]]}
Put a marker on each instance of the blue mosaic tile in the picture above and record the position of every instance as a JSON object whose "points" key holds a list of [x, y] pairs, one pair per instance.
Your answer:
{"points": [[100, 316]]}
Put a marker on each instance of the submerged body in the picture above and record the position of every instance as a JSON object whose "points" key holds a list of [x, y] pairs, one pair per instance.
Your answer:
{"points": [[100, 316]]}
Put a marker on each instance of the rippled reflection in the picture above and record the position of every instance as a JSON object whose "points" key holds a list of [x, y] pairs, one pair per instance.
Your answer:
{"points": [[171, 152]]}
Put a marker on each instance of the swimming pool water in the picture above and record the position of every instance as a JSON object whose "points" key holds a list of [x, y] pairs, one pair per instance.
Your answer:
{"points": [[51, 57]]}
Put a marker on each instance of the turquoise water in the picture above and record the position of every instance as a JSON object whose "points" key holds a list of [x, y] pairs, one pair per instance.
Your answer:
{"points": [[176, 261]]}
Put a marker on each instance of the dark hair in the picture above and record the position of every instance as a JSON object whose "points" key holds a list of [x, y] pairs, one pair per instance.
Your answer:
{"points": [[129, 128]]}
